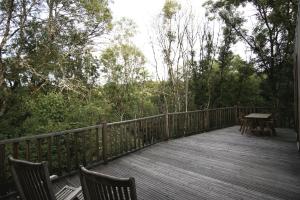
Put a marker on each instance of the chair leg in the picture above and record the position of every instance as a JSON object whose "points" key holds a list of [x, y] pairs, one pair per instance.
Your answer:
{"points": [[245, 127], [242, 126]]}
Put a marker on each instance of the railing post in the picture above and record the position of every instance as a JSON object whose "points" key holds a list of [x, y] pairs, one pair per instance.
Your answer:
{"points": [[97, 142], [167, 133], [2, 162], [236, 114], [185, 123], [206, 120], [104, 141]]}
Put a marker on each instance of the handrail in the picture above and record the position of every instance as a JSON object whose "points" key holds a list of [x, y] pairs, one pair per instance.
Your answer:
{"points": [[46, 135], [134, 120], [194, 111]]}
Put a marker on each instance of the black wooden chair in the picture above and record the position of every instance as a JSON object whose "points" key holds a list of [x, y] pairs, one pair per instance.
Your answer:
{"points": [[34, 183], [96, 186]]}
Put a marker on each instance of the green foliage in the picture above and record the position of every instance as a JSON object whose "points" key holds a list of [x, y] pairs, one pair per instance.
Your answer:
{"points": [[48, 113], [271, 40], [51, 81], [170, 8], [239, 85]]}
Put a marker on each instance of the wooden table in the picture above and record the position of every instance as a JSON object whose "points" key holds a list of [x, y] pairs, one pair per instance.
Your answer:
{"points": [[254, 120]]}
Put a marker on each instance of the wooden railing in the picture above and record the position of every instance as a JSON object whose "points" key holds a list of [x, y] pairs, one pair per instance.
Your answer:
{"points": [[66, 150]]}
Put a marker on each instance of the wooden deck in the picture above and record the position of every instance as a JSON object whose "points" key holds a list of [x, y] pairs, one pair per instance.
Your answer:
{"points": [[221, 164]]}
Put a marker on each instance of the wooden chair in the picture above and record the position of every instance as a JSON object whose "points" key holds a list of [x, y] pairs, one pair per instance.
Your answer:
{"points": [[34, 183], [96, 186], [270, 124], [242, 121]]}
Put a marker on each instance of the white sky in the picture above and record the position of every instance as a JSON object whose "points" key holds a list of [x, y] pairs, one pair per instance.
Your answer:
{"points": [[143, 13]]}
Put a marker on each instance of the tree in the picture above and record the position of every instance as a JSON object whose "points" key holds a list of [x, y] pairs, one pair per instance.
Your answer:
{"points": [[46, 46], [271, 39], [123, 65]]}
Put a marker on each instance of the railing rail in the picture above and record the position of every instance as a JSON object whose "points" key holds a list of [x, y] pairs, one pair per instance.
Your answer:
{"points": [[66, 150]]}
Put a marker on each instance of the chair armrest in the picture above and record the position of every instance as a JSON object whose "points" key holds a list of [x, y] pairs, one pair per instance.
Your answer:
{"points": [[53, 178], [68, 193]]}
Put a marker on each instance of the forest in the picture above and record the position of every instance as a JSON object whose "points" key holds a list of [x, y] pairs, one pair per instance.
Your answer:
{"points": [[52, 79]]}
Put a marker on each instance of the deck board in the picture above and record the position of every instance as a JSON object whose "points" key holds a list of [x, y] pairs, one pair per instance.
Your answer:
{"points": [[221, 164]]}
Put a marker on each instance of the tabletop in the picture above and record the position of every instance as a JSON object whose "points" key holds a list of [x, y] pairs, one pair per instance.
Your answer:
{"points": [[258, 115]]}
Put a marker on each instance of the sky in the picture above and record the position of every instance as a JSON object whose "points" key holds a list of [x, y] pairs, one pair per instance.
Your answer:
{"points": [[144, 12]]}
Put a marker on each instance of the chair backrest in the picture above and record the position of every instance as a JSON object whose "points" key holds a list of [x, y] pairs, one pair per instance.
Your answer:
{"points": [[32, 180], [96, 186]]}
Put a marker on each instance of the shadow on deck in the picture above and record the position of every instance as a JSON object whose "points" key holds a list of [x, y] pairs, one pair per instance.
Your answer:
{"points": [[221, 164]]}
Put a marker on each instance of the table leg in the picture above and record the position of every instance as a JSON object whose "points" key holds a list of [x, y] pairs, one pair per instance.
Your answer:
{"points": [[262, 127]]}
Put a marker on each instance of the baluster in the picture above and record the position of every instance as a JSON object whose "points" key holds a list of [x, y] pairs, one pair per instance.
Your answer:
{"points": [[144, 122], [2, 162], [16, 149], [185, 122], [135, 134], [58, 152], [155, 129], [68, 149], [226, 117], [221, 111], [121, 145], [204, 112], [84, 148], [150, 128], [49, 153], [161, 130], [126, 139], [97, 132], [219, 117], [39, 150], [104, 142], [139, 135], [189, 120], [143, 133], [199, 121], [167, 133], [178, 125], [27, 150], [112, 140], [119, 135], [75, 145], [173, 126]]}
